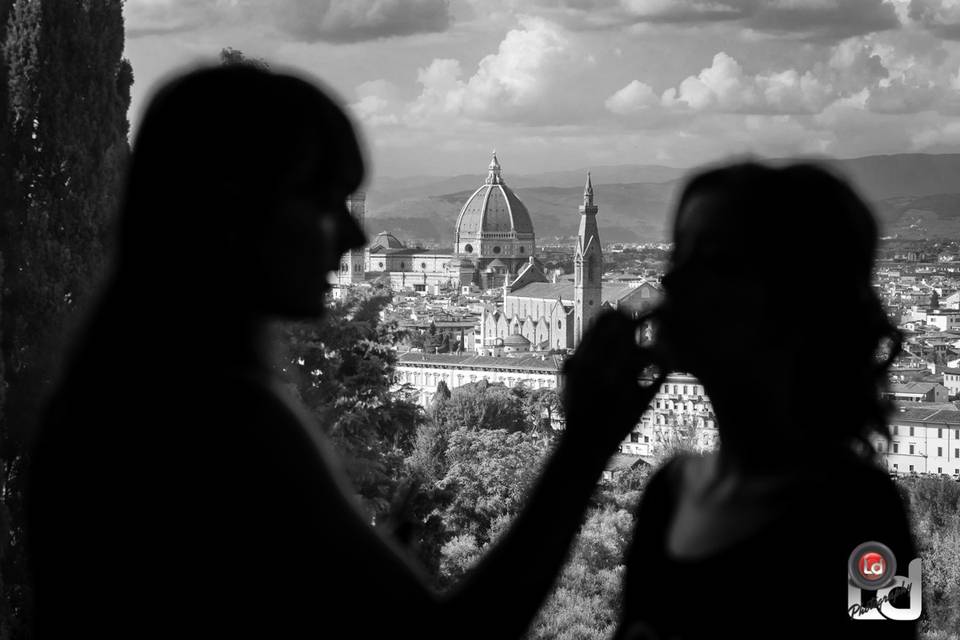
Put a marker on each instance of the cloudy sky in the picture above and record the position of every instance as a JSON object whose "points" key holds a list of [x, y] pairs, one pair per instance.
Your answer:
{"points": [[563, 84]]}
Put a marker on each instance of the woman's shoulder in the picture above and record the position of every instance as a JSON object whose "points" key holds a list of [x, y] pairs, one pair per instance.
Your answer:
{"points": [[855, 500]]}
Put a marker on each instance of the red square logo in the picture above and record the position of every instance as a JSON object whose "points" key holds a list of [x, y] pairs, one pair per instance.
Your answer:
{"points": [[872, 566]]}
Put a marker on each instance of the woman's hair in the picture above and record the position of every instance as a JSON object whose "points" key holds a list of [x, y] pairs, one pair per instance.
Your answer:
{"points": [[810, 241], [215, 148]]}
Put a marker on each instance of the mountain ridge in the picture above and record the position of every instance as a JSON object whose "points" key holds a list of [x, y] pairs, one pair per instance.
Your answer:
{"points": [[897, 185]]}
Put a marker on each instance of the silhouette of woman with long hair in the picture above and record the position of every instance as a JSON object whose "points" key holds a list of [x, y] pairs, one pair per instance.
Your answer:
{"points": [[176, 490], [768, 301]]}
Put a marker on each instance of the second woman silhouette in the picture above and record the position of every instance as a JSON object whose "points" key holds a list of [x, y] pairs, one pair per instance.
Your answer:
{"points": [[768, 301]]}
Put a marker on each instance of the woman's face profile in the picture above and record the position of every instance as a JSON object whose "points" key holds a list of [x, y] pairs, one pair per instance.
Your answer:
{"points": [[307, 231], [711, 290]]}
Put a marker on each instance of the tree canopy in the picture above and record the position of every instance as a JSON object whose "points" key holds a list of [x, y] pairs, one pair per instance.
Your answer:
{"points": [[64, 95]]}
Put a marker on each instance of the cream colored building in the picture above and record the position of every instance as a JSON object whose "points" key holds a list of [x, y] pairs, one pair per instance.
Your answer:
{"points": [[680, 402], [923, 440], [424, 371]]}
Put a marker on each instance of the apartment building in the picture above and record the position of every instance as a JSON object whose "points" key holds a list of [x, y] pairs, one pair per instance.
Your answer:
{"points": [[924, 440]]}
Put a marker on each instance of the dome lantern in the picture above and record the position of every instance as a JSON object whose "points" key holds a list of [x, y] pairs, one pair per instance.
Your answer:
{"points": [[493, 171]]}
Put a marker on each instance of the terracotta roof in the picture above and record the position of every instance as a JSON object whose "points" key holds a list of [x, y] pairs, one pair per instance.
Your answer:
{"points": [[611, 292], [930, 415], [913, 387], [547, 364]]}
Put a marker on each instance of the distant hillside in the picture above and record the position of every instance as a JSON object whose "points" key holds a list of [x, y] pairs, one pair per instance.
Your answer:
{"points": [[905, 174], [917, 217], [915, 195], [629, 212]]}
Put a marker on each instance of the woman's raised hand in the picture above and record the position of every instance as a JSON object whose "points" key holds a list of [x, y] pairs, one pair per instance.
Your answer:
{"points": [[603, 396]]}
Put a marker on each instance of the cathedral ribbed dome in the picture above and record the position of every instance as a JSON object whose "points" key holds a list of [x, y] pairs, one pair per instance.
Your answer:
{"points": [[493, 208], [385, 240]]}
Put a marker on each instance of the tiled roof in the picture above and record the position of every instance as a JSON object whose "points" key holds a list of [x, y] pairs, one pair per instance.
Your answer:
{"points": [[549, 290], [411, 251], [924, 414], [547, 364], [913, 387], [610, 292]]}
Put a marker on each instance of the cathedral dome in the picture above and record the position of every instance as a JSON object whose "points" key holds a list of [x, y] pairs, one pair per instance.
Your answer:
{"points": [[493, 208], [385, 240]]}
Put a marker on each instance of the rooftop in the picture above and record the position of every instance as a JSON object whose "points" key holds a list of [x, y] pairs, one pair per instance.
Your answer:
{"points": [[611, 292], [926, 414], [544, 364], [921, 388]]}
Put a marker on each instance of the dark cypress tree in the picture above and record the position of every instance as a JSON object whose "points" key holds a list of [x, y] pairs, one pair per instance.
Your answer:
{"points": [[64, 95]]}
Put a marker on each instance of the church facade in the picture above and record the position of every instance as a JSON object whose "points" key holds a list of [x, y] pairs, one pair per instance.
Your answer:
{"points": [[554, 315]]}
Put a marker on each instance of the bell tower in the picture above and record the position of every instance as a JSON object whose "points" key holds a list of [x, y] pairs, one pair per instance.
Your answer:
{"points": [[587, 267], [352, 263]]}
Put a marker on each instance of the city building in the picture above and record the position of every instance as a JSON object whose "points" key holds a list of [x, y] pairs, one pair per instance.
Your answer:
{"points": [[407, 268], [944, 320], [923, 440], [951, 380], [680, 411], [918, 392], [424, 371]]}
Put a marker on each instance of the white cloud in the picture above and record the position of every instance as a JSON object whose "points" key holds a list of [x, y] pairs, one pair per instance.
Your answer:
{"points": [[636, 96], [857, 73], [725, 87], [442, 91], [532, 78], [377, 103]]}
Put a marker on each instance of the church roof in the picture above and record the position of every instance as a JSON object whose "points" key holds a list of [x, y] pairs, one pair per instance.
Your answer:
{"points": [[550, 290], [610, 292], [493, 208], [515, 339], [385, 240]]}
